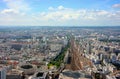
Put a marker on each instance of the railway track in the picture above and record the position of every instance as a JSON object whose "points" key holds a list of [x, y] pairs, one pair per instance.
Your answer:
{"points": [[78, 61]]}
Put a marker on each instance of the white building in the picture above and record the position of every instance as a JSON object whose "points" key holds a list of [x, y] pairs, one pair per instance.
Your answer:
{"points": [[2, 73]]}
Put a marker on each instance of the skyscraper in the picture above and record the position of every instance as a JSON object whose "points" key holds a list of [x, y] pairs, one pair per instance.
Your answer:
{"points": [[89, 47], [2, 73]]}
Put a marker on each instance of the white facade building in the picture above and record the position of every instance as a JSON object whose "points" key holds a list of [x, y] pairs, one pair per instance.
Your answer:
{"points": [[2, 73]]}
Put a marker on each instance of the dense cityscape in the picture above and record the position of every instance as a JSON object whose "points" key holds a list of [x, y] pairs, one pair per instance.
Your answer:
{"points": [[59, 52]]}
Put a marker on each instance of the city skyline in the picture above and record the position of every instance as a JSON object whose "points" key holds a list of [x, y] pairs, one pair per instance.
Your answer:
{"points": [[60, 13]]}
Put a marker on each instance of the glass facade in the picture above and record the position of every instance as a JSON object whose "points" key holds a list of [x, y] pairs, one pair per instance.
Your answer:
{"points": [[0, 75]]}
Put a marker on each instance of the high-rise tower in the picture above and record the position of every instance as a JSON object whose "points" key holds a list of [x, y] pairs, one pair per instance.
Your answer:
{"points": [[2, 73], [89, 47]]}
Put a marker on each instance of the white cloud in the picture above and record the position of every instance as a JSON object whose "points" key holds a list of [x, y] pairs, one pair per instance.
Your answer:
{"points": [[116, 6], [50, 8], [60, 16], [57, 8], [66, 14], [78, 17], [102, 12], [61, 7], [9, 11], [15, 12], [19, 5]]}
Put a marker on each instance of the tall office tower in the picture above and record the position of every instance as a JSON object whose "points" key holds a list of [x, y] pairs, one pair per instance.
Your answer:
{"points": [[89, 47], [2, 73], [34, 38]]}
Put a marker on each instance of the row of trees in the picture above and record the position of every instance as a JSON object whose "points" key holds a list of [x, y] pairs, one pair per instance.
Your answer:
{"points": [[60, 58]]}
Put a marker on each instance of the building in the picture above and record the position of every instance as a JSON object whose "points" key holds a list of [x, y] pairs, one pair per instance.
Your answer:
{"points": [[14, 74], [2, 73], [68, 74], [40, 75], [89, 47]]}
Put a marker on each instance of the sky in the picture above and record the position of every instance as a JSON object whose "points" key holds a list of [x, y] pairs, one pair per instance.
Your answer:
{"points": [[59, 12]]}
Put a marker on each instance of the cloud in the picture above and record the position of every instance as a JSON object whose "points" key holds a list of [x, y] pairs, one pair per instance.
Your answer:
{"points": [[19, 5], [50, 8], [102, 12], [57, 8], [61, 8], [66, 14], [60, 16], [116, 6], [9, 11], [14, 13], [80, 17]]}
